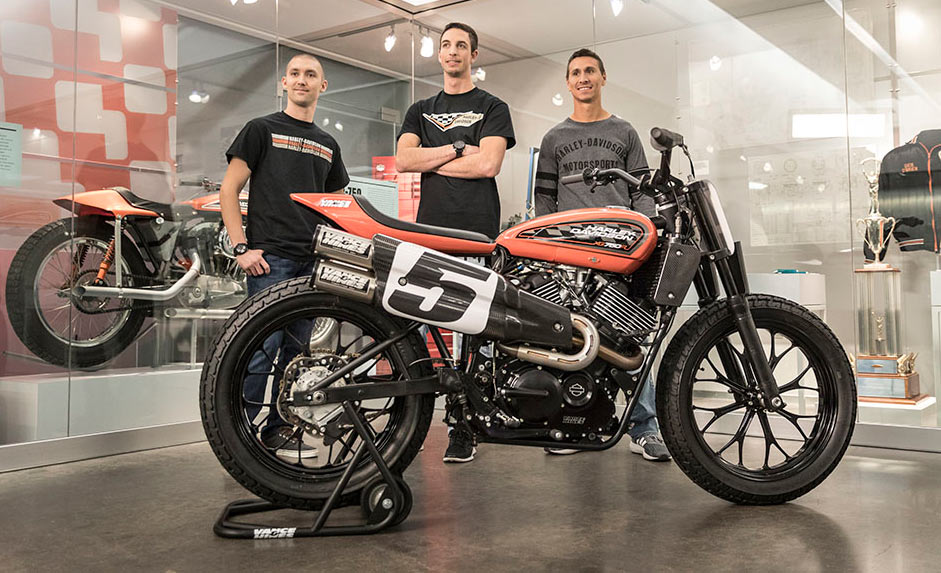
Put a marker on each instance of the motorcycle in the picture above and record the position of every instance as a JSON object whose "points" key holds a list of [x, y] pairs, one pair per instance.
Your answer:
{"points": [[755, 395], [79, 289]]}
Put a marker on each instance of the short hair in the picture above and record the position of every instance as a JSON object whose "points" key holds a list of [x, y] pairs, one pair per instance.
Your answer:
{"points": [[470, 32], [584, 53], [303, 55]]}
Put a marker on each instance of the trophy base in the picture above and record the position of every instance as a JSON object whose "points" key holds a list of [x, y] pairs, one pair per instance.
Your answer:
{"points": [[877, 268], [887, 386], [913, 401]]}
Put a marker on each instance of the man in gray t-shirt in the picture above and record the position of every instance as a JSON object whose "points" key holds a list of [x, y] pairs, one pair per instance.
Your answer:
{"points": [[592, 137], [572, 146]]}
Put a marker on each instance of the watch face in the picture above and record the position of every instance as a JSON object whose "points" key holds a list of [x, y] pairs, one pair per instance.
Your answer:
{"points": [[459, 145], [241, 249]]}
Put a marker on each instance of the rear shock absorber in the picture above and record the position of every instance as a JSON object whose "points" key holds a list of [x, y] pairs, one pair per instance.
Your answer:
{"points": [[105, 264]]}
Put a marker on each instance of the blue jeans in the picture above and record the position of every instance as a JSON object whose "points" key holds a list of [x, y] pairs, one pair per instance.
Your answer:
{"points": [[278, 350], [644, 417]]}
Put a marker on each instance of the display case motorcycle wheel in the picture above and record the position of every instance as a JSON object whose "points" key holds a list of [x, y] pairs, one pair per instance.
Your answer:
{"points": [[52, 322], [817, 419], [399, 423]]}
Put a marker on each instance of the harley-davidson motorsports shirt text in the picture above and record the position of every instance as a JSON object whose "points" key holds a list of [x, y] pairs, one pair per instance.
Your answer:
{"points": [[573, 146], [286, 155], [468, 204]]}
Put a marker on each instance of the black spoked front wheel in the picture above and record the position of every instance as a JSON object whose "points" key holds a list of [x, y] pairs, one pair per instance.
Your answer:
{"points": [[284, 340], [711, 413]]}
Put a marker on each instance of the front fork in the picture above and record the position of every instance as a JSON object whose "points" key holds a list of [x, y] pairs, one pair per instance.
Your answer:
{"points": [[731, 272]]}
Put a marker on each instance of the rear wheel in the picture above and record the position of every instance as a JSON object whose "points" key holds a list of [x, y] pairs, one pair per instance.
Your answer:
{"points": [[57, 326], [711, 415], [318, 334]]}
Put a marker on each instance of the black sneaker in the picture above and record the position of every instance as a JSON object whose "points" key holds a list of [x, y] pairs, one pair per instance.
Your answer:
{"points": [[652, 448], [287, 445], [460, 446]]}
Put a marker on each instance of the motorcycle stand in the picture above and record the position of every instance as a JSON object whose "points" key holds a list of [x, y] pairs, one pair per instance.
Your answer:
{"points": [[386, 501]]}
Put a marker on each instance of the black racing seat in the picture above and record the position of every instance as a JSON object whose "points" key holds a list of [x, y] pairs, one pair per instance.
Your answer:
{"points": [[165, 210], [388, 221]]}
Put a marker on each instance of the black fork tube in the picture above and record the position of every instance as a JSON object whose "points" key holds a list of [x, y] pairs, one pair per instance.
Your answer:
{"points": [[745, 325]]}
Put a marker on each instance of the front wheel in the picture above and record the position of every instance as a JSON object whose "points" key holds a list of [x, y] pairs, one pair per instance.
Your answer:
{"points": [[712, 419], [286, 339]]}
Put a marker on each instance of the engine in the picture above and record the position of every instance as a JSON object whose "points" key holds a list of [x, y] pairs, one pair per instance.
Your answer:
{"points": [[222, 284], [574, 406]]}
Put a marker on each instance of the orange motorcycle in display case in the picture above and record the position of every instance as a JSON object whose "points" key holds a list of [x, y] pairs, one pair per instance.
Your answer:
{"points": [[79, 289]]}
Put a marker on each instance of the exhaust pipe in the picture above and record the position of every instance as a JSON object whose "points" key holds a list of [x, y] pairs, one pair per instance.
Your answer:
{"points": [[590, 341], [144, 294], [345, 281], [338, 245], [198, 313]]}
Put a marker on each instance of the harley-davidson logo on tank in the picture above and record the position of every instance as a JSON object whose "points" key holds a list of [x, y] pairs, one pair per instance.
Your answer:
{"points": [[609, 239], [620, 237]]}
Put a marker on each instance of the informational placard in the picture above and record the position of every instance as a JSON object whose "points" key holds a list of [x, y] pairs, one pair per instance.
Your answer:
{"points": [[383, 195], [11, 154]]}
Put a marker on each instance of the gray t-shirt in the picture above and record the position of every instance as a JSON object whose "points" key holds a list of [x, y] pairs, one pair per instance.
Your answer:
{"points": [[570, 147]]}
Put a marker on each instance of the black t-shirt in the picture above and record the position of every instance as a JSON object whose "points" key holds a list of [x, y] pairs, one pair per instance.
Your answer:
{"points": [[286, 155], [469, 204]]}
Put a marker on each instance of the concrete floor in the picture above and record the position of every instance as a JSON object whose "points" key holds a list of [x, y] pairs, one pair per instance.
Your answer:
{"points": [[513, 509]]}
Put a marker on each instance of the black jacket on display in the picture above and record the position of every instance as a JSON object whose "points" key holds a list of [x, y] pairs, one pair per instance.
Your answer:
{"points": [[906, 191]]}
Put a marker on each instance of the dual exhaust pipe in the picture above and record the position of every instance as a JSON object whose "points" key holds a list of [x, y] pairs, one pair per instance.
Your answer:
{"points": [[347, 267]]}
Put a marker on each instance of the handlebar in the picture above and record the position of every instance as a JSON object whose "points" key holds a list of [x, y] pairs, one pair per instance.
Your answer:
{"points": [[664, 140], [593, 174]]}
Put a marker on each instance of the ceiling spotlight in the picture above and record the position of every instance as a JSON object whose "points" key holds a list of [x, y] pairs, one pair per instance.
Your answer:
{"points": [[326, 121], [715, 62], [198, 96], [480, 74], [617, 6], [249, 1], [427, 46], [557, 100], [234, 2], [390, 40], [338, 125]]}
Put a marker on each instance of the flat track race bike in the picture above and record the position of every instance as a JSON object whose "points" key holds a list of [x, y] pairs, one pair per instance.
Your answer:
{"points": [[755, 395], [80, 289]]}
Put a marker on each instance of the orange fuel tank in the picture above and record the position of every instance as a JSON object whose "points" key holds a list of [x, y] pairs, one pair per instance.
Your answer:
{"points": [[607, 239]]}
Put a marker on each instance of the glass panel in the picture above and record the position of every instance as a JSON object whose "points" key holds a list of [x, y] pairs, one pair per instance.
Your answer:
{"points": [[368, 64], [894, 94], [37, 83], [157, 96], [523, 65]]}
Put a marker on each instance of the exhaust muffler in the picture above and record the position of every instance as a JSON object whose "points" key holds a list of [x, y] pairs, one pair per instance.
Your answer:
{"points": [[346, 281]]}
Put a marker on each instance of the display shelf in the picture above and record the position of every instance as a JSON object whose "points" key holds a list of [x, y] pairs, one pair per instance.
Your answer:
{"points": [[46, 406]]}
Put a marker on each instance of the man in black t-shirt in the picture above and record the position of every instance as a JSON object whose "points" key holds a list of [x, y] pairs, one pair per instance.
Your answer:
{"points": [[457, 140], [281, 153]]}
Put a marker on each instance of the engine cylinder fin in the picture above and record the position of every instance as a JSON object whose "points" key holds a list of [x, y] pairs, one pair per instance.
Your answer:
{"points": [[617, 308]]}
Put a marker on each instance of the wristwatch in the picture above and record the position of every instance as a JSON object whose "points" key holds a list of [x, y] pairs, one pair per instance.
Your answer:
{"points": [[240, 249], [459, 147]]}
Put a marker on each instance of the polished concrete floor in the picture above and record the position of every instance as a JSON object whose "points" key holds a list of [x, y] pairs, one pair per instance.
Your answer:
{"points": [[513, 509]]}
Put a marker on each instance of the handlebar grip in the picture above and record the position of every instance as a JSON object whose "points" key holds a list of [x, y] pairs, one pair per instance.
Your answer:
{"points": [[569, 179], [663, 139]]}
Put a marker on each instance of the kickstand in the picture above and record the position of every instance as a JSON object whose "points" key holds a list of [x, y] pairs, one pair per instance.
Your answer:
{"points": [[388, 500]]}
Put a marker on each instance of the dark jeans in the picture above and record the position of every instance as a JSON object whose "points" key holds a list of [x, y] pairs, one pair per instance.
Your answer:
{"points": [[278, 350]]}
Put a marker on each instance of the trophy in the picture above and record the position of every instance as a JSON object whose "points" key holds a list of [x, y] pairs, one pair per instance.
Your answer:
{"points": [[872, 227], [883, 371]]}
